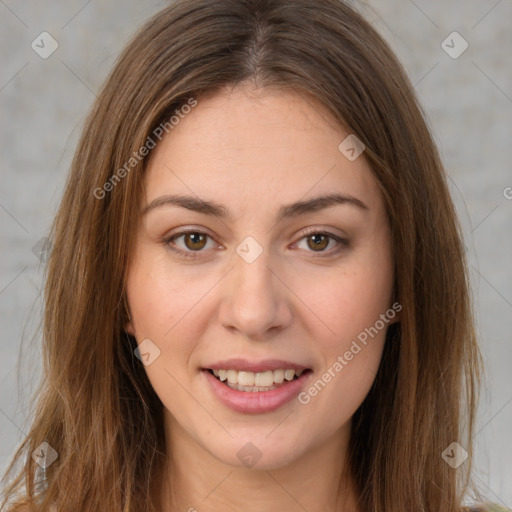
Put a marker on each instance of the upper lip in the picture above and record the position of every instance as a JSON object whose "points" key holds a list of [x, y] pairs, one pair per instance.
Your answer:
{"points": [[255, 366]]}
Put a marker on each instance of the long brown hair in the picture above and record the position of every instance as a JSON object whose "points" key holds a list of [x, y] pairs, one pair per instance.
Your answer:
{"points": [[96, 407]]}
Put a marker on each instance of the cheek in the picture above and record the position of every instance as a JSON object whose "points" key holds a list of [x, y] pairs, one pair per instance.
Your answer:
{"points": [[159, 297], [164, 306], [353, 306], [169, 305], [351, 298], [352, 347], [351, 354]]}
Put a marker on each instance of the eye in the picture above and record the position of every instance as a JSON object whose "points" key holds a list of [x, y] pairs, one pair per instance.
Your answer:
{"points": [[192, 241], [187, 243], [319, 241]]}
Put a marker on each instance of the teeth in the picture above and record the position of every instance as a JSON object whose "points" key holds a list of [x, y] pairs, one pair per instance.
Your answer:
{"points": [[246, 378], [257, 380], [264, 379], [289, 374], [278, 376], [232, 376]]}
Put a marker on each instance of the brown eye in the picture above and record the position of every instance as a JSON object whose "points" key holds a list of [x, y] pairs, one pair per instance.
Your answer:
{"points": [[189, 244], [323, 243], [318, 241], [195, 241]]}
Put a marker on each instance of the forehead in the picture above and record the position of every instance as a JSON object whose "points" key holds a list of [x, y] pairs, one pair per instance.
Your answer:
{"points": [[257, 147]]}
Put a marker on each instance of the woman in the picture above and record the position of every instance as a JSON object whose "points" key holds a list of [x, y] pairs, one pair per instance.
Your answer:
{"points": [[257, 295]]}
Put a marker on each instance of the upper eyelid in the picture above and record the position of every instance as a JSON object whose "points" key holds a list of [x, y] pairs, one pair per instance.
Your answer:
{"points": [[308, 230]]}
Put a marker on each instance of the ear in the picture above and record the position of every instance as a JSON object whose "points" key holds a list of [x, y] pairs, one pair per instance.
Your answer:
{"points": [[128, 327], [395, 320], [396, 308]]}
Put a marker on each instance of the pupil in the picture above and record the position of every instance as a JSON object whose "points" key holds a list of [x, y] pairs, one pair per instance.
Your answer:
{"points": [[319, 241], [195, 238]]}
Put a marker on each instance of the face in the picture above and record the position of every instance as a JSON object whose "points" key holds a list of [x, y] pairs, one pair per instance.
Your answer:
{"points": [[251, 271]]}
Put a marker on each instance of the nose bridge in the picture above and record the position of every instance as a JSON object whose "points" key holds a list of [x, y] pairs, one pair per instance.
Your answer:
{"points": [[255, 300]]}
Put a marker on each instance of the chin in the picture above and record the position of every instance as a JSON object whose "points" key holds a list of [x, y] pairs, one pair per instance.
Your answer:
{"points": [[255, 452]]}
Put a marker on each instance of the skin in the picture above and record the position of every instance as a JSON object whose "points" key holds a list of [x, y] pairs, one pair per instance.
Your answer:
{"points": [[254, 150]]}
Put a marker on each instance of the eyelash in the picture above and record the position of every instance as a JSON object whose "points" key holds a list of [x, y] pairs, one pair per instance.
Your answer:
{"points": [[343, 243]]}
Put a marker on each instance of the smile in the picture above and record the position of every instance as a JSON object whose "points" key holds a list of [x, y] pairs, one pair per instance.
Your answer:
{"points": [[256, 381], [235, 391]]}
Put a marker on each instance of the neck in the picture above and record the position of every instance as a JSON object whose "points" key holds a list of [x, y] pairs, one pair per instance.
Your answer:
{"points": [[195, 481]]}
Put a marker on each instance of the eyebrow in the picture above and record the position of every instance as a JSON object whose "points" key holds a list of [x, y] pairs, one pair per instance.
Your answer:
{"points": [[285, 212]]}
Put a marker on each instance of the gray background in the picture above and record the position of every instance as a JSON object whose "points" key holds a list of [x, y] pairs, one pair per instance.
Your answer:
{"points": [[468, 101]]}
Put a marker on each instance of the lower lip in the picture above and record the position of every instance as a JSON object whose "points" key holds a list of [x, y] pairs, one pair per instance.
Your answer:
{"points": [[258, 401]]}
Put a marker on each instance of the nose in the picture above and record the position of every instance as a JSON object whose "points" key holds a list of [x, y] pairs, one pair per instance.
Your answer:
{"points": [[256, 302]]}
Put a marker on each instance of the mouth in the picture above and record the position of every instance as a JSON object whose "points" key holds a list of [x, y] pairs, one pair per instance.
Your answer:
{"points": [[256, 382]]}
